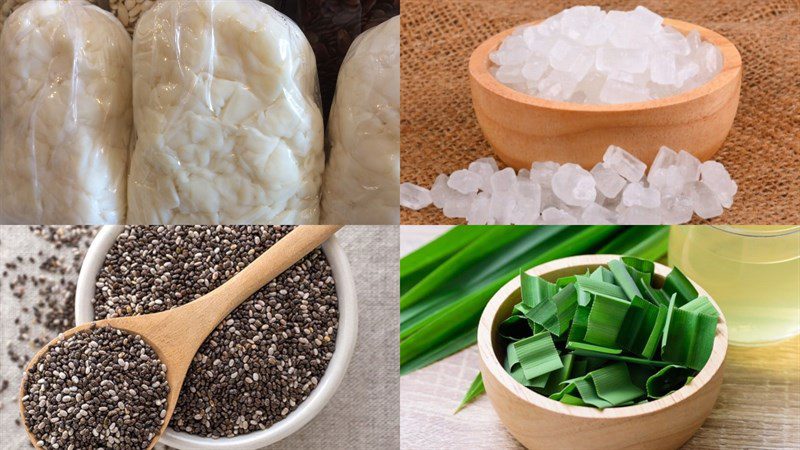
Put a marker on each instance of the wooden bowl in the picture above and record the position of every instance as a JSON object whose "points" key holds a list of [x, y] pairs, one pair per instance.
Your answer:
{"points": [[523, 129], [541, 423]]}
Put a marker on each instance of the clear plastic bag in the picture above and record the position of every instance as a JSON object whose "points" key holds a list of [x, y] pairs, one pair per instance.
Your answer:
{"points": [[363, 175], [226, 106], [65, 114]]}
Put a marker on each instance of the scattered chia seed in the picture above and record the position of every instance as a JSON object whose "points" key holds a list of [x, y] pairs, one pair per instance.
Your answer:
{"points": [[100, 388], [266, 357]]}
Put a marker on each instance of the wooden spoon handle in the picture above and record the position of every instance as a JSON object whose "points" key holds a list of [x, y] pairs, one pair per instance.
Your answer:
{"points": [[282, 255]]}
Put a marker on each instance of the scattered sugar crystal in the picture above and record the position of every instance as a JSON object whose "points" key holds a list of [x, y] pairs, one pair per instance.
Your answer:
{"points": [[608, 182], [714, 175], [595, 214], [504, 180], [571, 57], [676, 187], [440, 191], [659, 175], [555, 216], [485, 169], [574, 185], [465, 181], [705, 202], [639, 215], [502, 205], [542, 172], [414, 197], [458, 205], [635, 194], [676, 209], [480, 212], [688, 166], [624, 164]]}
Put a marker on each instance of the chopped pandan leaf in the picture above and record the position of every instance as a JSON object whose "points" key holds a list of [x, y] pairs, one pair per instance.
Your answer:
{"points": [[641, 373], [677, 283], [511, 360], [690, 339], [596, 287], [603, 357], [613, 384], [655, 296], [624, 279], [668, 320], [556, 314], [514, 328], [537, 355], [521, 309], [535, 290], [605, 319], [476, 389], [571, 400], [589, 393], [579, 367], [593, 348], [639, 264], [577, 332], [602, 274], [701, 305], [668, 380], [564, 281], [641, 328], [560, 375]]}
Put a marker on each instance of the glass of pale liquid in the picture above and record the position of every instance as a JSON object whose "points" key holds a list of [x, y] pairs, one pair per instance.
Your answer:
{"points": [[752, 272]]}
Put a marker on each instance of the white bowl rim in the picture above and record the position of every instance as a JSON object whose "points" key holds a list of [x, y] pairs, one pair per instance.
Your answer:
{"points": [[308, 409], [489, 358]]}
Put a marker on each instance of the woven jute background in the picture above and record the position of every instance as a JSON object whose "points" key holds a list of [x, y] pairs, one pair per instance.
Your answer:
{"points": [[440, 133]]}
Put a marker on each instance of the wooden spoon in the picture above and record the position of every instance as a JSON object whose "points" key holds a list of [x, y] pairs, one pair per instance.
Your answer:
{"points": [[177, 334]]}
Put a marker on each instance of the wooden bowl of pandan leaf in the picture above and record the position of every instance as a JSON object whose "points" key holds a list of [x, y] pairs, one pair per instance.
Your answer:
{"points": [[666, 422], [524, 129]]}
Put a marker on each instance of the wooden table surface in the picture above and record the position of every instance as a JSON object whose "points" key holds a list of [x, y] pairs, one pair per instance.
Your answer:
{"points": [[758, 407]]}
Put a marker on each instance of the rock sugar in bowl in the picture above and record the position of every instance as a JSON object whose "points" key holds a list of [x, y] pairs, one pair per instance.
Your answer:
{"points": [[263, 360], [585, 55], [566, 88], [98, 388]]}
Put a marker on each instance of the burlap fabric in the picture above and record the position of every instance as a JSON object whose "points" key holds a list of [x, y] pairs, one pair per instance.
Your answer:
{"points": [[440, 133]]}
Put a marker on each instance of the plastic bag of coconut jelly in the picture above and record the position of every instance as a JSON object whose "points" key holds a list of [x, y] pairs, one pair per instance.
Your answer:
{"points": [[363, 175], [227, 115], [65, 114]]}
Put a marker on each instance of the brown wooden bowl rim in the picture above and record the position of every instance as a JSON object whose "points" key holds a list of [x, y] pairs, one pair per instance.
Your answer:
{"points": [[730, 72], [493, 365]]}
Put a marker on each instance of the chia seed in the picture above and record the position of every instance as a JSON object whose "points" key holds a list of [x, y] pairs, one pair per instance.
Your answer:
{"points": [[266, 357], [99, 388]]}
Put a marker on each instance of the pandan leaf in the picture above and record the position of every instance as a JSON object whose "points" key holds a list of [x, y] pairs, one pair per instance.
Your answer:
{"points": [[514, 328], [613, 384], [535, 290], [641, 265], [593, 348], [596, 287], [677, 283], [640, 328], [605, 320], [624, 279], [476, 389], [537, 355], [701, 305], [690, 339], [556, 314], [667, 380]]}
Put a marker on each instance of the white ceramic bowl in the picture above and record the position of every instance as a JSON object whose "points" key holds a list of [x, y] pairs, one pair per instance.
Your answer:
{"points": [[345, 344]]}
